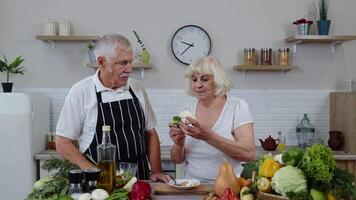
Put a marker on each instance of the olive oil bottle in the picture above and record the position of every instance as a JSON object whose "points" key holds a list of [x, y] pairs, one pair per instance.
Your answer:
{"points": [[106, 161]]}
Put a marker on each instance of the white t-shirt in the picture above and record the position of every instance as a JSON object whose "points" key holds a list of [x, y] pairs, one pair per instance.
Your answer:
{"points": [[79, 113], [202, 159]]}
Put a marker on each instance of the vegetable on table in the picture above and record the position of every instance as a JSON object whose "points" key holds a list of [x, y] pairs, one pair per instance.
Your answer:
{"points": [[249, 168], [317, 195], [119, 194], [99, 194], [264, 185], [268, 168], [289, 179], [228, 194], [226, 179], [140, 191], [318, 164], [292, 156], [245, 193]]}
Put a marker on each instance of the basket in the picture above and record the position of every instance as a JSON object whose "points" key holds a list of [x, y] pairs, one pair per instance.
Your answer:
{"points": [[266, 196]]}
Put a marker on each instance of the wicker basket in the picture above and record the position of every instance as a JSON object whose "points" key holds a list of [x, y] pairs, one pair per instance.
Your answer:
{"points": [[266, 196]]}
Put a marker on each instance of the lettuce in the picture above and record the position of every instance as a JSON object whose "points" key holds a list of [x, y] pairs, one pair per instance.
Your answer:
{"points": [[289, 179], [318, 164]]}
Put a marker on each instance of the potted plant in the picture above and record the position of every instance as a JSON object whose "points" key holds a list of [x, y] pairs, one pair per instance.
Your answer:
{"points": [[10, 68], [91, 47], [145, 55], [303, 26], [321, 13]]}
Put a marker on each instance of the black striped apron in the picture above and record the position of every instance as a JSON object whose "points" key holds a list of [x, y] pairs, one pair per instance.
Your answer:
{"points": [[127, 121]]}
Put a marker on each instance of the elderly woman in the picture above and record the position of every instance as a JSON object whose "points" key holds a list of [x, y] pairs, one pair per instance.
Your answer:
{"points": [[222, 128]]}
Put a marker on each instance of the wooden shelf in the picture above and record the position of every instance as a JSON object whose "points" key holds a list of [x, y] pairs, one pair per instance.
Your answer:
{"points": [[77, 38], [320, 38], [139, 66], [333, 40], [134, 66], [282, 68]]}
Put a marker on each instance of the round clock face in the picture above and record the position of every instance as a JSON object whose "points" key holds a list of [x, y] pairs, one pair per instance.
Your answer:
{"points": [[189, 43]]}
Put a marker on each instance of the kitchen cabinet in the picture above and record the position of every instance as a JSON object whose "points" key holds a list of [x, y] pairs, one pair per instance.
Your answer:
{"points": [[343, 117], [333, 40]]}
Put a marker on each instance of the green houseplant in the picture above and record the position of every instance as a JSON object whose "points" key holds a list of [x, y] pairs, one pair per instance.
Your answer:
{"points": [[8, 69], [322, 17]]}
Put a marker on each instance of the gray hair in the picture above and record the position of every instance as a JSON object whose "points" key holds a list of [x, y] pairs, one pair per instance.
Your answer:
{"points": [[107, 44], [209, 65]]}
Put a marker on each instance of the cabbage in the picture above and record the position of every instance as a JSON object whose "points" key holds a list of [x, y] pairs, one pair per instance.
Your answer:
{"points": [[289, 179]]}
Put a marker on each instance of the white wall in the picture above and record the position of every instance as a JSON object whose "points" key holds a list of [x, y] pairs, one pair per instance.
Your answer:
{"points": [[232, 25]]}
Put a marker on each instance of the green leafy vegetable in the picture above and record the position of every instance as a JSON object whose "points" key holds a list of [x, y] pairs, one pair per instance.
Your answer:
{"points": [[289, 179], [119, 194], [343, 184], [176, 120], [49, 187], [303, 195], [318, 164], [62, 167]]}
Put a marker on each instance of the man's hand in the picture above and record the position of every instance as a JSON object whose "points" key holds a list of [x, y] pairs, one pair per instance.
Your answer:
{"points": [[160, 177]]}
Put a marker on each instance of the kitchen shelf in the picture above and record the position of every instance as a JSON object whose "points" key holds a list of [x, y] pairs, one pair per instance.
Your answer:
{"points": [[71, 38], [282, 68], [333, 40], [139, 66]]}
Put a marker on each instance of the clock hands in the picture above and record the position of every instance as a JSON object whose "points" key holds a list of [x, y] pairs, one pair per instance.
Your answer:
{"points": [[192, 44], [189, 45]]}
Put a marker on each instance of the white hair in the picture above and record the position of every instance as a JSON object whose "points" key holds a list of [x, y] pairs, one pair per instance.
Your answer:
{"points": [[209, 65], [107, 44]]}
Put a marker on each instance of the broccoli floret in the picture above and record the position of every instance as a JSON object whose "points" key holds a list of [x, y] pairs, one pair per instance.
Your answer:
{"points": [[176, 120]]}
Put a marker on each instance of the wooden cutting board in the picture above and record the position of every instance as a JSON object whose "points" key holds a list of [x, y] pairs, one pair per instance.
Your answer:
{"points": [[165, 189]]}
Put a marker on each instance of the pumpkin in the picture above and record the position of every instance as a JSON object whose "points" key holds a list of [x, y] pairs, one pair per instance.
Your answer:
{"points": [[226, 179]]}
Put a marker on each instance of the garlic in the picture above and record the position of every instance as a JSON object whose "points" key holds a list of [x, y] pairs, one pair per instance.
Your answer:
{"points": [[99, 194], [185, 114]]}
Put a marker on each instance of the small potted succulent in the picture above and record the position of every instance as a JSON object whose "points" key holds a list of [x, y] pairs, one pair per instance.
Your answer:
{"points": [[145, 55], [14, 67], [91, 47], [303, 26]]}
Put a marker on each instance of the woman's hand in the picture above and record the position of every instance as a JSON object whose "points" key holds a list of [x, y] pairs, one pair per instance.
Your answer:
{"points": [[194, 129], [176, 134]]}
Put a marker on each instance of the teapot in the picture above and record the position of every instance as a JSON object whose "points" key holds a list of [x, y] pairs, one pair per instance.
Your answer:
{"points": [[269, 144]]}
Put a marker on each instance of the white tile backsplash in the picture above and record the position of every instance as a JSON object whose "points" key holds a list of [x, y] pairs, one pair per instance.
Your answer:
{"points": [[272, 110]]}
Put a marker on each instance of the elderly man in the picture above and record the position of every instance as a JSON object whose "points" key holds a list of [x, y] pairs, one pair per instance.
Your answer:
{"points": [[110, 97]]}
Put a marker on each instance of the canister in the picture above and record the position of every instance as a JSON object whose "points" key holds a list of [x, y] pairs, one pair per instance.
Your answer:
{"points": [[50, 27], [283, 56], [250, 56], [64, 27], [266, 56]]}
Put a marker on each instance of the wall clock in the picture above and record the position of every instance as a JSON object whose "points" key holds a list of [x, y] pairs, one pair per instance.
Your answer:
{"points": [[189, 43]]}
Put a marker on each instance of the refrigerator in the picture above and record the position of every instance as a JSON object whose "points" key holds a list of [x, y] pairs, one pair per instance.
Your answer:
{"points": [[24, 125]]}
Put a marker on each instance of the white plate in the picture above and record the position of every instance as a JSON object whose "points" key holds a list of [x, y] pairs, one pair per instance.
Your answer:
{"points": [[184, 184]]}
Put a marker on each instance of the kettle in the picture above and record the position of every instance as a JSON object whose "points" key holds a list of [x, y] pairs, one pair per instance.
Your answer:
{"points": [[269, 144]]}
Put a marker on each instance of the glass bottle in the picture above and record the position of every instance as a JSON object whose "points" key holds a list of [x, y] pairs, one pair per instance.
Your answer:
{"points": [[75, 181], [305, 132], [106, 161], [281, 142]]}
